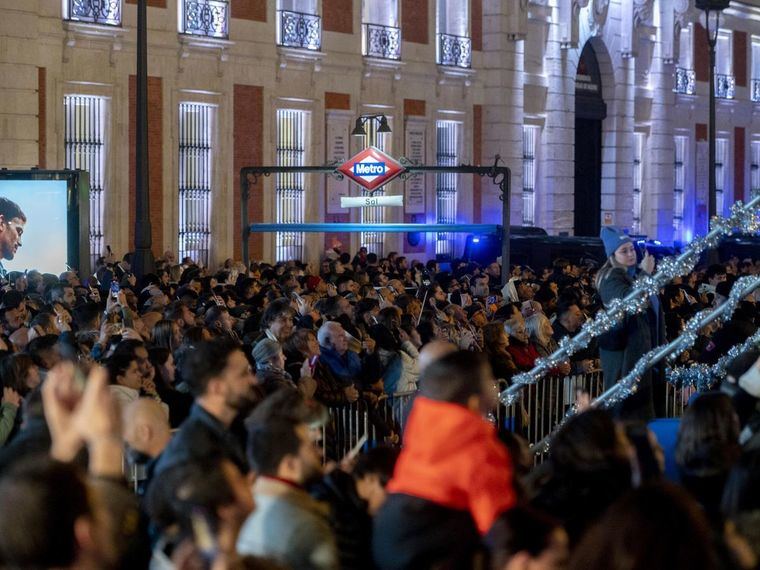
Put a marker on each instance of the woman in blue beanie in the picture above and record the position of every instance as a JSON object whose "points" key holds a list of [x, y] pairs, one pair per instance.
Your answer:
{"points": [[621, 347]]}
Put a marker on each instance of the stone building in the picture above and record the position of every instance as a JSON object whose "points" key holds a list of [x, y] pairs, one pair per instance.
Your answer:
{"points": [[599, 107]]}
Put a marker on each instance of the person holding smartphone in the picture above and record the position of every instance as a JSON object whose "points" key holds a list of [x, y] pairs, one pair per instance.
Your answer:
{"points": [[621, 347]]}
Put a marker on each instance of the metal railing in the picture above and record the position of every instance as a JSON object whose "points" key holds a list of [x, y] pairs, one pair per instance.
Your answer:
{"points": [[205, 18], [685, 81], [724, 86], [755, 90], [382, 41], [299, 30], [454, 51], [105, 12]]}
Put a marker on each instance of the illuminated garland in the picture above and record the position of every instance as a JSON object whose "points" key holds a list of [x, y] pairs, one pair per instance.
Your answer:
{"points": [[742, 216], [704, 377], [628, 385]]}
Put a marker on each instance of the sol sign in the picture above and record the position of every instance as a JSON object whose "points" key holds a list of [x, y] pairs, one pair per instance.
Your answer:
{"points": [[371, 168]]}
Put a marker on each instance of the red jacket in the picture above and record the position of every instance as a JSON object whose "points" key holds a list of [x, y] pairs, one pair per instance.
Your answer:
{"points": [[524, 355], [452, 457]]}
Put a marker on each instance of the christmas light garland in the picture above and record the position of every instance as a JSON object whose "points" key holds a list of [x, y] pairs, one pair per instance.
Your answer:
{"points": [[742, 216], [704, 377], [628, 385]]}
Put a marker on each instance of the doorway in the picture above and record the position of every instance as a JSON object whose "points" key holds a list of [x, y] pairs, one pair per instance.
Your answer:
{"points": [[590, 111]]}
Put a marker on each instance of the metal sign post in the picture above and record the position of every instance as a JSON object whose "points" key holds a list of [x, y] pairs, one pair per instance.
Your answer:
{"points": [[500, 175]]}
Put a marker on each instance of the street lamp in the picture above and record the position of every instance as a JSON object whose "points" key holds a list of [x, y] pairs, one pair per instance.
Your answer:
{"points": [[382, 126], [712, 10]]}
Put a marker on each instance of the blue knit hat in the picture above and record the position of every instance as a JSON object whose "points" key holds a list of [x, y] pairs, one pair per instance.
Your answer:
{"points": [[613, 238]]}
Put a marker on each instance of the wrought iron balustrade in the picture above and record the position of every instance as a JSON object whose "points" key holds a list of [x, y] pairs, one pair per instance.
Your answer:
{"points": [[724, 86], [382, 41], [105, 12], [205, 18], [755, 90], [300, 30], [454, 51], [684, 81]]}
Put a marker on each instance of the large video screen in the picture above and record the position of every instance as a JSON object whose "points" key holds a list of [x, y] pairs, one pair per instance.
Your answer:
{"points": [[33, 225]]}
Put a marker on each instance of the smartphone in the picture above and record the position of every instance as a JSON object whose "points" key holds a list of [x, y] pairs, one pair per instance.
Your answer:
{"points": [[491, 300], [115, 288]]}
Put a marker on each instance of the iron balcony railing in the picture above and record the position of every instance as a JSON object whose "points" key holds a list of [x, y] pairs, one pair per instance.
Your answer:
{"points": [[724, 86], [684, 81], [106, 12], [454, 51], [300, 30], [382, 41], [756, 90], [205, 18]]}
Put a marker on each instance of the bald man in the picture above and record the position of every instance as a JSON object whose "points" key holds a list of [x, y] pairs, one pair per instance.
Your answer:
{"points": [[146, 427], [432, 351]]}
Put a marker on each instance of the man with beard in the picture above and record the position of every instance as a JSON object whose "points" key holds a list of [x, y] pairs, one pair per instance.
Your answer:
{"points": [[223, 384], [287, 525], [12, 222]]}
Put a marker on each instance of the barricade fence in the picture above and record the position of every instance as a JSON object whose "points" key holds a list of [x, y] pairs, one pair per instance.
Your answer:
{"points": [[534, 416]]}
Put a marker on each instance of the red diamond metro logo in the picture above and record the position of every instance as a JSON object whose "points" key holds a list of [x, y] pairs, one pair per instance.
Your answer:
{"points": [[371, 168]]}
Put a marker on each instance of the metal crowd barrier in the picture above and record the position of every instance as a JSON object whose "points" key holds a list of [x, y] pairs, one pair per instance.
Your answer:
{"points": [[676, 399], [382, 422]]}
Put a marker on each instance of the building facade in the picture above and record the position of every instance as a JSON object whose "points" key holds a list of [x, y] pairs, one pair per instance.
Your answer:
{"points": [[599, 108]]}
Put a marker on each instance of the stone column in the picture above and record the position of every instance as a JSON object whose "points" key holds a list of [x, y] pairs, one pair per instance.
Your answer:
{"points": [[502, 109], [554, 192], [657, 196]]}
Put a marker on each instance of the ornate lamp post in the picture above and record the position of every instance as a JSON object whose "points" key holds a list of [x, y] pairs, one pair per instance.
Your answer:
{"points": [[712, 9]]}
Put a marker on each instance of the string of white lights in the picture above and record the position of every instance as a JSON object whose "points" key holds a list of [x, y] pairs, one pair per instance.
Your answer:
{"points": [[744, 217], [628, 385]]}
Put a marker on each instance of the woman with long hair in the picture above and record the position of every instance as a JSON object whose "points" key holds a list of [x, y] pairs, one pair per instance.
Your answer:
{"points": [[707, 448], [179, 402], [495, 343], [621, 347], [167, 334]]}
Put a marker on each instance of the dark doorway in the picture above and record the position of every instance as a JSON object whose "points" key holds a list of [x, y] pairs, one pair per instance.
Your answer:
{"points": [[590, 111]]}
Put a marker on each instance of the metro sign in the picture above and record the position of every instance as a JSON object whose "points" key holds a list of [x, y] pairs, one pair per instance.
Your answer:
{"points": [[371, 168]]}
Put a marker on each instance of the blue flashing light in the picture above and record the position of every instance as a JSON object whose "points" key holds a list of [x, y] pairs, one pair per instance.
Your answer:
{"points": [[476, 240]]}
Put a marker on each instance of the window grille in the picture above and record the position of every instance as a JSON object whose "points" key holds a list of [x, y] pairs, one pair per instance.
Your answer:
{"points": [[290, 187], [679, 183], [85, 149], [375, 241], [446, 183], [724, 78], [638, 168], [382, 36], [721, 161], [103, 12], [755, 87], [530, 140], [754, 169], [454, 46], [208, 18], [196, 128], [299, 24]]}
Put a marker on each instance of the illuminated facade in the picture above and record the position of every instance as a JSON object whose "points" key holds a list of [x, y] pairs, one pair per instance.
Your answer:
{"points": [[599, 107]]}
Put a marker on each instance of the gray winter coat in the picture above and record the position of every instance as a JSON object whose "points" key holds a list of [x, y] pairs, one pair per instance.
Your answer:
{"points": [[621, 348]]}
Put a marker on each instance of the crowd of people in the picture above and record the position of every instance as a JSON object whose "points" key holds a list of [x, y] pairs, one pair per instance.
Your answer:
{"points": [[221, 385]]}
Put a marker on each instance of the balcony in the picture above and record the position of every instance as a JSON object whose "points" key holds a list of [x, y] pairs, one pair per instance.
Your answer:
{"points": [[298, 30], [102, 12], [755, 90], [454, 51], [684, 81], [383, 42], [724, 86], [207, 18]]}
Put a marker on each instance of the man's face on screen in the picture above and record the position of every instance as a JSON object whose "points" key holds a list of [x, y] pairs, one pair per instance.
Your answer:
{"points": [[10, 236]]}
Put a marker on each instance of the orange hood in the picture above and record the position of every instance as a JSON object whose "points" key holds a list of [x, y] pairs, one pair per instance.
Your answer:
{"points": [[453, 458]]}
